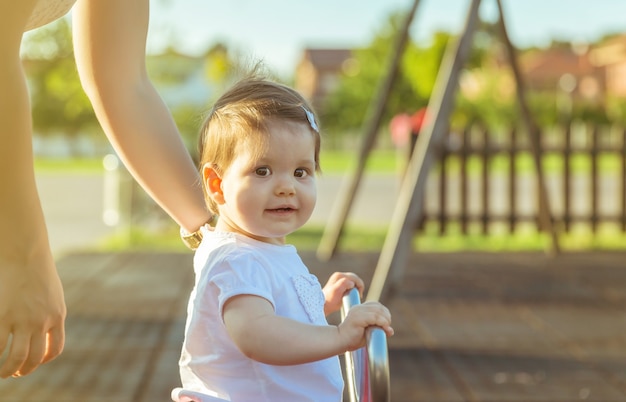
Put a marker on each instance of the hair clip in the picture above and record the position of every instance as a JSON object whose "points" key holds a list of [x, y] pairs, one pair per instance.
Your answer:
{"points": [[311, 118]]}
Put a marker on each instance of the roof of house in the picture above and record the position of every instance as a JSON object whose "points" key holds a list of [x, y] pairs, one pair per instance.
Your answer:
{"points": [[555, 62], [610, 51], [324, 59]]}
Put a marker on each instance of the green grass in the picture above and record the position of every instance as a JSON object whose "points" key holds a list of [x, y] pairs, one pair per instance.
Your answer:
{"points": [[370, 238], [381, 161], [307, 238], [361, 239], [332, 162], [69, 165]]}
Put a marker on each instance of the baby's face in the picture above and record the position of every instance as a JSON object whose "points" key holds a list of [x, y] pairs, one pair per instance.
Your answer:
{"points": [[270, 196]]}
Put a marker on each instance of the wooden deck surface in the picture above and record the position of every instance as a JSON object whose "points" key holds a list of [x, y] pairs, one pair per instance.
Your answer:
{"points": [[469, 327]]}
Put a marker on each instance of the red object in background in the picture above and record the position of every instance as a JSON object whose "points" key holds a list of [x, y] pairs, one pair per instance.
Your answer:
{"points": [[417, 121], [400, 127]]}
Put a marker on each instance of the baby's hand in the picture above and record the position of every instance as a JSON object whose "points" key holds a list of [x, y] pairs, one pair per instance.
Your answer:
{"points": [[337, 286], [361, 316]]}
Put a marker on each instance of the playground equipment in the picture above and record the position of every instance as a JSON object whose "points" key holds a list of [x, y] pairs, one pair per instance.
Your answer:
{"points": [[367, 369], [397, 245]]}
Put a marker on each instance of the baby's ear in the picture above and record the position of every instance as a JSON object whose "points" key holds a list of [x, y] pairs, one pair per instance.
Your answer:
{"points": [[212, 183]]}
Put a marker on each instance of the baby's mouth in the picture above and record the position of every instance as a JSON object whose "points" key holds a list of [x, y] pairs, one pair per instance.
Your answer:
{"points": [[282, 209]]}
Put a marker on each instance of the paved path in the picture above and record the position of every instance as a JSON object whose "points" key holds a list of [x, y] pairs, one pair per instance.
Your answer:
{"points": [[73, 206], [469, 327]]}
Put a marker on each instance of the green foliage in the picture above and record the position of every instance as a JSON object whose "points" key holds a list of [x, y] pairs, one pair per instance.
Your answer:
{"points": [[59, 103], [484, 110], [591, 112], [335, 161], [347, 108], [223, 66], [71, 166], [487, 93], [188, 119], [616, 110], [218, 64], [421, 65], [170, 68], [49, 42], [365, 238]]}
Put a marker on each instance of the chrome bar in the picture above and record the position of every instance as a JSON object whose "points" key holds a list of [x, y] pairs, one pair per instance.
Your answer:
{"points": [[367, 369]]}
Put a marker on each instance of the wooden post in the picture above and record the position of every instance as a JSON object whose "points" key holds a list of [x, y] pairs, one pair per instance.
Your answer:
{"points": [[513, 152], [464, 177], [567, 177], [339, 213], [623, 158], [485, 178], [545, 214], [443, 191], [594, 132], [393, 257]]}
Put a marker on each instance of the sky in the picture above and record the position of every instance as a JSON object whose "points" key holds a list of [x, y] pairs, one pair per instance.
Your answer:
{"points": [[277, 31]]}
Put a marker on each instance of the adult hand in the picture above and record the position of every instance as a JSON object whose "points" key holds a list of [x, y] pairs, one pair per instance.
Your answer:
{"points": [[32, 309], [32, 313]]}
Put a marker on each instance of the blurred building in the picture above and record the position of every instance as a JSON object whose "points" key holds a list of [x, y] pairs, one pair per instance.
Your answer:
{"points": [[180, 79], [319, 70], [591, 72], [564, 69], [610, 58]]}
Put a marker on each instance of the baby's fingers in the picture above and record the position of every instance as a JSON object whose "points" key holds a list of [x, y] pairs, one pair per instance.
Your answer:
{"points": [[387, 328], [371, 313], [380, 316]]}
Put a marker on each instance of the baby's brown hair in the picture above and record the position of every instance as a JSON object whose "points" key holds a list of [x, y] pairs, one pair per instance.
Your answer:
{"points": [[240, 117]]}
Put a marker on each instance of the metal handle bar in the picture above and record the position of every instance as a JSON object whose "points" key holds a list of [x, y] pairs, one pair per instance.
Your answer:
{"points": [[367, 369]]}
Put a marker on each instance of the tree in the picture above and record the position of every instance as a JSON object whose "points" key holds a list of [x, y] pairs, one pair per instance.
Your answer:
{"points": [[421, 65], [59, 103], [219, 67], [487, 93], [345, 109]]}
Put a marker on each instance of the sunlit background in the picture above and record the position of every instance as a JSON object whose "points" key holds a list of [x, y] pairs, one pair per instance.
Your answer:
{"points": [[517, 323], [571, 55]]}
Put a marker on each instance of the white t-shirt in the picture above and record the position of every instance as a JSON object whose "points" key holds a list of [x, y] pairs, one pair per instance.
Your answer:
{"points": [[227, 265]]}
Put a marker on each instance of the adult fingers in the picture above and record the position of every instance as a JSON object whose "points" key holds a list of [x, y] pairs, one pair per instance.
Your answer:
{"points": [[35, 354], [4, 339], [18, 353], [4, 343], [28, 352], [55, 340]]}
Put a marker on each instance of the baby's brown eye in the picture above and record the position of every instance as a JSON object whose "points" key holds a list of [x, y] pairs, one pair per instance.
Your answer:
{"points": [[300, 173], [262, 171]]}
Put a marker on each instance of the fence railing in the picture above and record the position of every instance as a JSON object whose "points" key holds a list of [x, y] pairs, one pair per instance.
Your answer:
{"points": [[485, 179], [367, 369]]}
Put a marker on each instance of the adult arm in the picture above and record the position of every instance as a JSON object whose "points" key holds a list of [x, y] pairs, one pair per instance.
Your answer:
{"points": [[109, 45], [32, 307]]}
